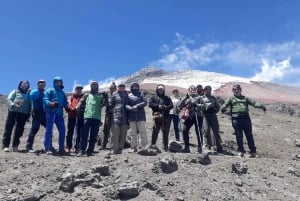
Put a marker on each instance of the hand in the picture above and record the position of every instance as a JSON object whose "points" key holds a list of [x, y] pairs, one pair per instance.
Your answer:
{"points": [[162, 107], [16, 105], [223, 109], [53, 104], [263, 108], [134, 108]]}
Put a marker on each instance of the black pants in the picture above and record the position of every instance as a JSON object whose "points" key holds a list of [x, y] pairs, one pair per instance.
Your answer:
{"points": [[20, 120], [162, 123], [38, 119], [188, 123], [74, 125], [211, 123], [106, 130], [242, 124]]}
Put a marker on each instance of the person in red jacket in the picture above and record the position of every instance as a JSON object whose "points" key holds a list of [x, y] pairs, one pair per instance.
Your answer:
{"points": [[74, 121]]}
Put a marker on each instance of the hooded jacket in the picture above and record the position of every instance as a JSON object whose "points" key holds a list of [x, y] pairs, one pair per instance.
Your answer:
{"points": [[19, 100], [55, 94], [161, 99], [136, 99]]}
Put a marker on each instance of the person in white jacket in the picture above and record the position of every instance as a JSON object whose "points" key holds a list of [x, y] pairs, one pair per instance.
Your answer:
{"points": [[174, 113]]}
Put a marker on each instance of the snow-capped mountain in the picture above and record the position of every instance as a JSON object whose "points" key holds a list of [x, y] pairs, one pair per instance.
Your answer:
{"points": [[221, 84]]}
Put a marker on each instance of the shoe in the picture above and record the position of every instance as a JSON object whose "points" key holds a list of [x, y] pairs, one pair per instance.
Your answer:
{"points": [[80, 154], [15, 149], [67, 150], [252, 155], [89, 154], [241, 154], [6, 149], [187, 150], [49, 152], [63, 153], [31, 151]]}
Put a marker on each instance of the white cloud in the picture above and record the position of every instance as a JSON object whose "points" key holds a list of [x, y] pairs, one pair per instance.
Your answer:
{"points": [[272, 70], [262, 61]]}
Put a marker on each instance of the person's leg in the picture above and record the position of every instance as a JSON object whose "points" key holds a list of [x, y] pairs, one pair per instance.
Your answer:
{"points": [[49, 129], [79, 130], [142, 132], [176, 127], [165, 131], [216, 133], [35, 126], [236, 124], [249, 134], [207, 134], [134, 128], [106, 131], [10, 122], [198, 120], [95, 124], [123, 135], [115, 137], [70, 132], [186, 128], [60, 124], [155, 130], [21, 120], [84, 135]]}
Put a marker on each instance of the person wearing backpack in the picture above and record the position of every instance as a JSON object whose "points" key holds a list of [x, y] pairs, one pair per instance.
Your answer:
{"points": [[174, 113], [55, 101], [19, 107], [37, 113], [241, 121], [91, 104], [74, 121], [135, 105], [210, 122], [119, 119], [161, 105], [193, 105]]}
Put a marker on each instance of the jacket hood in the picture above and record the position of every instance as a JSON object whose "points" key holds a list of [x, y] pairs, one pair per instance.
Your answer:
{"points": [[58, 79]]}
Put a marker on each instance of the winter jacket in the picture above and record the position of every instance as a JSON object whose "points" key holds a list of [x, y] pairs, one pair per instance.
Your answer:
{"points": [[55, 94], [239, 104], [37, 97], [212, 105], [194, 104], [135, 105], [73, 102], [118, 108], [176, 101], [93, 106], [158, 100], [19, 100]]}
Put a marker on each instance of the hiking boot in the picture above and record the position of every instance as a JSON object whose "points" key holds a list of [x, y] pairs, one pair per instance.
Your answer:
{"points": [[241, 154], [31, 151], [15, 149], [67, 150], [80, 154], [63, 153], [252, 155], [49, 152], [187, 150], [200, 150], [6, 149], [89, 154]]}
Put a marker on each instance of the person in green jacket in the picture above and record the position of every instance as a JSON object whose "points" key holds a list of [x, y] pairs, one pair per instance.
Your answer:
{"points": [[241, 121], [91, 104]]}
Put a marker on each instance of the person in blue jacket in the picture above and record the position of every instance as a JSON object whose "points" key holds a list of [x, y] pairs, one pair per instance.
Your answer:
{"points": [[54, 102], [37, 113]]}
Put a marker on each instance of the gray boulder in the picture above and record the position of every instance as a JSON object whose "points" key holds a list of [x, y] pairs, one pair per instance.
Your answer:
{"points": [[128, 190], [240, 168]]}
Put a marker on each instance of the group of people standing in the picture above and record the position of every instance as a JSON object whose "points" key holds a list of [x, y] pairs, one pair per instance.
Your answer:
{"points": [[123, 110]]}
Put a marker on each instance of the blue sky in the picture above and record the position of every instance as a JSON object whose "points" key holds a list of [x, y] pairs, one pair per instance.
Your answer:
{"points": [[99, 39]]}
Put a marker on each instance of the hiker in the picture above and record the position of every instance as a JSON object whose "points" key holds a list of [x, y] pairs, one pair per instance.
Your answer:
{"points": [[19, 107], [91, 105], [200, 90], [75, 121], [119, 119], [161, 106], [192, 115], [210, 122], [55, 101], [135, 105], [240, 117], [37, 113], [174, 113], [108, 115]]}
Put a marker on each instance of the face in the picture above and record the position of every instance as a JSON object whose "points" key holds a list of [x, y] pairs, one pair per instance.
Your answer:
{"points": [[237, 90], [24, 85], [160, 90], [199, 90], [41, 85], [78, 91], [58, 83], [175, 92], [112, 89], [207, 91], [121, 88]]}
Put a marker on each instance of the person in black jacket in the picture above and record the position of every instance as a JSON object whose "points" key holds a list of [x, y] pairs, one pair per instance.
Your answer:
{"points": [[161, 106]]}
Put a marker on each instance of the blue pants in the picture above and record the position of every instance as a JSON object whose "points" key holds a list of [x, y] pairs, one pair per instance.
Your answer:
{"points": [[242, 124], [90, 129], [58, 120], [38, 119], [175, 119]]}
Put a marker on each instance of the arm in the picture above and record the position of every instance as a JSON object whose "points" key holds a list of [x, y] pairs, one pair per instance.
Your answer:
{"points": [[11, 97]]}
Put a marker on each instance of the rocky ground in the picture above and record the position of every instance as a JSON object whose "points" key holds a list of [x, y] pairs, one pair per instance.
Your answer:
{"points": [[273, 175]]}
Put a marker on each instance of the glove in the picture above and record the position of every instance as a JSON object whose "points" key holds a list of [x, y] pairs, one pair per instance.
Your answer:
{"points": [[263, 108], [223, 109], [134, 108], [53, 104]]}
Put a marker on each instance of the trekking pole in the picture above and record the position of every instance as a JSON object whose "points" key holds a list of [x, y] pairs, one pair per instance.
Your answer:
{"points": [[199, 133]]}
